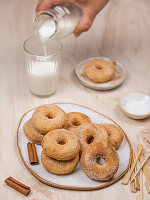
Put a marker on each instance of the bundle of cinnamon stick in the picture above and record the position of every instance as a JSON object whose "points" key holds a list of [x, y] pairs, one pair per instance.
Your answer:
{"points": [[20, 187], [135, 176]]}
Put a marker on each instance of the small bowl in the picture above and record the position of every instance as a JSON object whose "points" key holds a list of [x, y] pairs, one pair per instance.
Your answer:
{"points": [[135, 105]]}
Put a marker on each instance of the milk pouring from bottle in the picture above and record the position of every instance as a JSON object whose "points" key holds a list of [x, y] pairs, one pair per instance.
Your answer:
{"points": [[57, 22]]}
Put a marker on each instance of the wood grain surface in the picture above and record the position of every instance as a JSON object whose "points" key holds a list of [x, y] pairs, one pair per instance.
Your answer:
{"points": [[121, 31]]}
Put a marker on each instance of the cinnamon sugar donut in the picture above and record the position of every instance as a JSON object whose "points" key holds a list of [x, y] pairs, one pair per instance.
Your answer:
{"points": [[89, 133], [99, 70], [59, 167], [61, 144], [31, 133], [115, 134], [48, 117], [75, 119], [92, 154]]}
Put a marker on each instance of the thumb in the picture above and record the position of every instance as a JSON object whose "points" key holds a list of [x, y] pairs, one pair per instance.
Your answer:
{"points": [[84, 24]]}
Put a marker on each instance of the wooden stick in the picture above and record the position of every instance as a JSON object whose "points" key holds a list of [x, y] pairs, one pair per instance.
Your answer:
{"points": [[18, 186], [132, 184], [32, 154], [140, 195], [146, 172], [137, 184], [140, 167], [147, 185], [128, 175]]}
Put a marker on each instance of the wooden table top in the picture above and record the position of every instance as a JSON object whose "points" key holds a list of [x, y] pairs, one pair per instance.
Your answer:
{"points": [[121, 31]]}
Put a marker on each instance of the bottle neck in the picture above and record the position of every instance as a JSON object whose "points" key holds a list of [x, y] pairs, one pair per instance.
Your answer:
{"points": [[45, 24]]}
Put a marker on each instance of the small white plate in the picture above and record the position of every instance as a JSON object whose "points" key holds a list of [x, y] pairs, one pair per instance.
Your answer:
{"points": [[77, 180], [135, 105], [116, 81]]}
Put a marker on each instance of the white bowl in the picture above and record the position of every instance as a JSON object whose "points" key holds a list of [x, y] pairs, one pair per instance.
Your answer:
{"points": [[135, 105]]}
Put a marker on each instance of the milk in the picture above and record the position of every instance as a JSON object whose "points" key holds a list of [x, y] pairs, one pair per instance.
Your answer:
{"points": [[46, 30], [42, 77], [58, 21]]}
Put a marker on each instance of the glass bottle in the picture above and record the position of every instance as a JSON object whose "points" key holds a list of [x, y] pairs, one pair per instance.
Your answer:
{"points": [[57, 22]]}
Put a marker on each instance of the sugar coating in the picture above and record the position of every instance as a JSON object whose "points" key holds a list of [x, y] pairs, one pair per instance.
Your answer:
{"points": [[49, 117], [99, 70], [76, 119], [66, 151], [59, 167], [31, 132], [94, 170], [115, 134], [96, 131]]}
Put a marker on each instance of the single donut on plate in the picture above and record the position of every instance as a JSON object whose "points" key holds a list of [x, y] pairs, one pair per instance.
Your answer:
{"points": [[31, 132], [48, 117], [76, 119], [99, 70], [59, 167], [61, 144], [91, 132], [115, 134], [93, 155]]}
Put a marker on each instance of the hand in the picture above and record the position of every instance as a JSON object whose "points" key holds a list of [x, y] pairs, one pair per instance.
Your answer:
{"points": [[90, 8]]}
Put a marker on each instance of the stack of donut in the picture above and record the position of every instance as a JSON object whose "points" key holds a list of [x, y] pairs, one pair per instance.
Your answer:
{"points": [[66, 137], [60, 153]]}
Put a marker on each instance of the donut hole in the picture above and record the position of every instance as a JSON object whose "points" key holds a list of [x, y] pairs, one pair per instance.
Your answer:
{"points": [[99, 67], [50, 116], [75, 123], [90, 139], [100, 160], [61, 142]]}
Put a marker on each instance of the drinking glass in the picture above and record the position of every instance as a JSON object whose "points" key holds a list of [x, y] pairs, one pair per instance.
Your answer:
{"points": [[42, 65]]}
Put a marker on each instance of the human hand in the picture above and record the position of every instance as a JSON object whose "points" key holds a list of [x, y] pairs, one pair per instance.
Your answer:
{"points": [[90, 8]]}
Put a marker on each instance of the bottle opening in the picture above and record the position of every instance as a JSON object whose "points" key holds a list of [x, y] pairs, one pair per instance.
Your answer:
{"points": [[45, 26]]}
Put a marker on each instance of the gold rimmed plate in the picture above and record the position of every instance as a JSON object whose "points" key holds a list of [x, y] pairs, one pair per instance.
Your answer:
{"points": [[78, 179]]}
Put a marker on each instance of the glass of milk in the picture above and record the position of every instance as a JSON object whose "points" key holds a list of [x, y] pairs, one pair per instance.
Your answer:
{"points": [[42, 65]]}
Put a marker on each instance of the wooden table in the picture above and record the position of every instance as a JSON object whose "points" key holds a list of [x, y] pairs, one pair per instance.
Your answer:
{"points": [[120, 31]]}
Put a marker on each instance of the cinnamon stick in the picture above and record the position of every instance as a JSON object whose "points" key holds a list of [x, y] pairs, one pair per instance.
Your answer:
{"points": [[32, 154], [25, 190]]}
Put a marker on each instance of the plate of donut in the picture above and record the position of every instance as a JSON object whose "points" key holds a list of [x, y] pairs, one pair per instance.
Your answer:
{"points": [[116, 156], [106, 81]]}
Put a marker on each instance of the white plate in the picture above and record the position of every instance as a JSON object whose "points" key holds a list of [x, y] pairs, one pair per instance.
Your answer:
{"points": [[116, 81], [78, 179], [135, 105]]}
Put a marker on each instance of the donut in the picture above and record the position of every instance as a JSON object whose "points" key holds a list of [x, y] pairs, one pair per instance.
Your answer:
{"points": [[61, 144], [91, 132], [76, 119], [48, 117], [31, 133], [59, 167], [115, 134], [92, 157], [99, 70]]}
